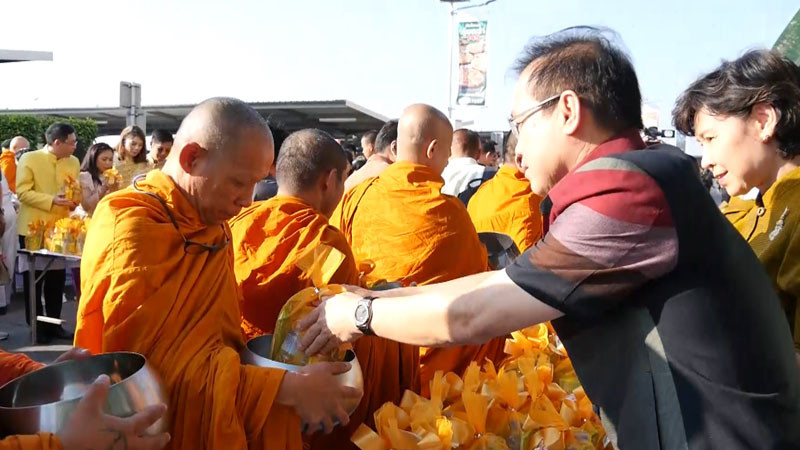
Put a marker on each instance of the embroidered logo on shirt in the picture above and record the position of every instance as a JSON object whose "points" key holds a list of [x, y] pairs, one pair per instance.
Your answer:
{"points": [[778, 225]]}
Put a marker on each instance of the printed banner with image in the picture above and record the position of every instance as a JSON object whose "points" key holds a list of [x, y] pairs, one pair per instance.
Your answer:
{"points": [[472, 63]]}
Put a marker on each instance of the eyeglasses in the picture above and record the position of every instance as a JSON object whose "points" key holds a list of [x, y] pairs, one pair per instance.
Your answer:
{"points": [[190, 247], [519, 119]]}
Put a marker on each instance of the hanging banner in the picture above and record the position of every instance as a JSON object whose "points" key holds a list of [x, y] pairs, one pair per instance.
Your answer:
{"points": [[472, 63]]}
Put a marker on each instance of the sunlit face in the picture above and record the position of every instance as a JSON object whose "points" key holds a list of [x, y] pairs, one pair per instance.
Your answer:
{"points": [[133, 146], [160, 150], [733, 151], [65, 148], [224, 180], [540, 145], [105, 160]]}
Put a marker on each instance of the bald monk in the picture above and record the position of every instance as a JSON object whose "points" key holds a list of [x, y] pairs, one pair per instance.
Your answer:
{"points": [[414, 233], [157, 279], [8, 161], [505, 204], [268, 239], [88, 427]]}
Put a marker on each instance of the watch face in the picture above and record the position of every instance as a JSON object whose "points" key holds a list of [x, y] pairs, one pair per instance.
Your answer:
{"points": [[362, 314]]}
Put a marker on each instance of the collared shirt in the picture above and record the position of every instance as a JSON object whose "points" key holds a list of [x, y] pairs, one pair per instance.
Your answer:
{"points": [[771, 225], [40, 177], [458, 173], [670, 322]]}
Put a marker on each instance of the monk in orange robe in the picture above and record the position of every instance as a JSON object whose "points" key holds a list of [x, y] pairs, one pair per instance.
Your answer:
{"points": [[88, 426], [8, 161], [270, 237], [505, 204], [158, 280], [402, 222]]}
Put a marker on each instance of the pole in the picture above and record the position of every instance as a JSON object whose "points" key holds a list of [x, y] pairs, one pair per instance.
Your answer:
{"points": [[450, 71]]}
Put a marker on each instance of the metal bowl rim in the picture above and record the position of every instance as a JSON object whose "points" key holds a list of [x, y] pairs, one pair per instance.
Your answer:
{"points": [[77, 399]]}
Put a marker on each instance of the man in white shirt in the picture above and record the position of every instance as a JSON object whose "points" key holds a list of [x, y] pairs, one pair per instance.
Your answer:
{"points": [[463, 166]]}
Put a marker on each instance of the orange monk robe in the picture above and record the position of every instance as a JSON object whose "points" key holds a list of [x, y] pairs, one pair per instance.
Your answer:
{"points": [[8, 165], [268, 239], [13, 366], [141, 292], [413, 233], [505, 204]]}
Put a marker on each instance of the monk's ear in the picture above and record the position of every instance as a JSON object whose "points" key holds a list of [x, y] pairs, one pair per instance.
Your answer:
{"points": [[191, 156], [433, 146], [393, 150]]}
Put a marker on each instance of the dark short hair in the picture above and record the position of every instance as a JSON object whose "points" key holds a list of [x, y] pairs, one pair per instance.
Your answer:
{"points": [[161, 135], [307, 154], [58, 131], [6, 144], [584, 60], [370, 136], [385, 137], [472, 141], [733, 88], [488, 145], [89, 163]]}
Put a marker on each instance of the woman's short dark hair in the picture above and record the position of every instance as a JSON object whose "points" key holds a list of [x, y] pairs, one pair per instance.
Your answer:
{"points": [[733, 88], [89, 163]]}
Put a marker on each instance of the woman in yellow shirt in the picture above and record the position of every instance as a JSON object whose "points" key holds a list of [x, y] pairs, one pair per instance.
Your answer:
{"points": [[746, 115], [132, 157]]}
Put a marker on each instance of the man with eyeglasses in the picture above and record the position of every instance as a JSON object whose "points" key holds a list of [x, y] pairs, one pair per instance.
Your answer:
{"points": [[158, 279], [41, 178], [671, 324]]}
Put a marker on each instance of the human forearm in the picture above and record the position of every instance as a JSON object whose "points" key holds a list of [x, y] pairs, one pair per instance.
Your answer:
{"points": [[470, 310]]}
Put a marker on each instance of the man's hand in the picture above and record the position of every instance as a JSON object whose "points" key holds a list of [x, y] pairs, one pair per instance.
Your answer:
{"points": [[60, 200], [316, 396], [75, 353], [89, 428], [330, 324]]}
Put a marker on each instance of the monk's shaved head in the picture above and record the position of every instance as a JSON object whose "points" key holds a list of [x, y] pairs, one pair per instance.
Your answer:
{"points": [[217, 124], [511, 148], [222, 148], [424, 135], [306, 155], [466, 143], [19, 143]]}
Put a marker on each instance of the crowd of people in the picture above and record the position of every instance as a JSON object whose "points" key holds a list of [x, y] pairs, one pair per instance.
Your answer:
{"points": [[679, 316]]}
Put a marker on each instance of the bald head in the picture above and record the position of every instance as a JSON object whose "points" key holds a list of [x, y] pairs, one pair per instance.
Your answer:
{"points": [[19, 143], [305, 156], [466, 143], [510, 149], [222, 149], [219, 124], [424, 135]]}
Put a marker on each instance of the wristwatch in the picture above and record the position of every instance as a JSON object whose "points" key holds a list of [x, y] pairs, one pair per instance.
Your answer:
{"points": [[363, 316]]}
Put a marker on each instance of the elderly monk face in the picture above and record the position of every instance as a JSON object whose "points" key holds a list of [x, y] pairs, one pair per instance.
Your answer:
{"points": [[223, 181]]}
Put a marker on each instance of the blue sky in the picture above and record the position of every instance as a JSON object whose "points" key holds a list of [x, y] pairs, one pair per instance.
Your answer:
{"points": [[382, 54]]}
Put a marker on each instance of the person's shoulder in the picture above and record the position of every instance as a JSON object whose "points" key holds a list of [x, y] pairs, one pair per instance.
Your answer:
{"points": [[614, 187], [31, 156]]}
